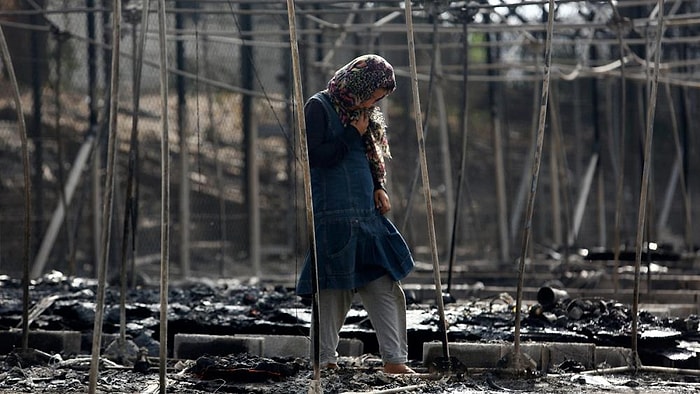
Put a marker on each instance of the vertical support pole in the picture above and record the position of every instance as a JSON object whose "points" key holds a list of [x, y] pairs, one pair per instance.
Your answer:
{"points": [[646, 174], [597, 150], [165, 196], [418, 115], [619, 191], [27, 187], [304, 160], [554, 168], [463, 161], [37, 129], [108, 199], [499, 170], [517, 355], [182, 127], [250, 135]]}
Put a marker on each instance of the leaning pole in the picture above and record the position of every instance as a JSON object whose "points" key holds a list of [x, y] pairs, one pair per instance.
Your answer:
{"points": [[426, 183], [646, 174], [7, 59], [304, 160], [517, 359], [165, 197], [108, 199]]}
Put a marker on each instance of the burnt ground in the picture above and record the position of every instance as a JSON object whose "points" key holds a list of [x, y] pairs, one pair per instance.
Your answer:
{"points": [[233, 307], [239, 378]]}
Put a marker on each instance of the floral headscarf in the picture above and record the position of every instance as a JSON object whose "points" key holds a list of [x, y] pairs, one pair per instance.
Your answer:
{"points": [[351, 85]]}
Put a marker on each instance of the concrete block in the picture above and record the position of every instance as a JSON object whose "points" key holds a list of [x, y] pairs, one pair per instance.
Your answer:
{"points": [[300, 346], [351, 347], [471, 354], [282, 345], [64, 342], [610, 357], [535, 351], [193, 346], [583, 353], [86, 341]]}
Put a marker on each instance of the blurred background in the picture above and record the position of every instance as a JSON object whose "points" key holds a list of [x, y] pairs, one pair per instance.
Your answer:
{"points": [[237, 197]]}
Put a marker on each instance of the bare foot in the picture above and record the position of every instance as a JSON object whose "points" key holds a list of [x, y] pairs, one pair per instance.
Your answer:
{"points": [[397, 369]]}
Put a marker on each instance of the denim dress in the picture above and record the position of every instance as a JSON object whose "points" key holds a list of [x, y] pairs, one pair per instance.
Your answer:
{"points": [[355, 244]]}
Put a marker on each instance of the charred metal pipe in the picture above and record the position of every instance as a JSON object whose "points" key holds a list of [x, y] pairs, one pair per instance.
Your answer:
{"points": [[549, 296]]}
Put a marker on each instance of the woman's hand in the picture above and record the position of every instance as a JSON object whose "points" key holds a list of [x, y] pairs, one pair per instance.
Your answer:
{"points": [[381, 201], [361, 122]]}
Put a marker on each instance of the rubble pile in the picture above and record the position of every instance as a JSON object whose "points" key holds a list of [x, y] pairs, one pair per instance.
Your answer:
{"points": [[59, 302]]}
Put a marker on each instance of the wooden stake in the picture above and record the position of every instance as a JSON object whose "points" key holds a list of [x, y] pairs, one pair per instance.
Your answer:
{"points": [[7, 59], [165, 196], [426, 183], [304, 156], [646, 174], [108, 199], [517, 355]]}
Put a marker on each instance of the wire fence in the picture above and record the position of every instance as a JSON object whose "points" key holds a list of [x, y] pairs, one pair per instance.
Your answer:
{"points": [[237, 206]]}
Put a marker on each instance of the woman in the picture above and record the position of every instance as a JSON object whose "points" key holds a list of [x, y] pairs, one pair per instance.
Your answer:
{"points": [[358, 249]]}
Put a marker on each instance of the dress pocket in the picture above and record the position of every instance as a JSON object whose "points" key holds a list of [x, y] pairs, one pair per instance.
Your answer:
{"points": [[393, 245], [336, 236]]}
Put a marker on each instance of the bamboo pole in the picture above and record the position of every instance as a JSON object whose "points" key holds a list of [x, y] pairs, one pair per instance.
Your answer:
{"points": [[304, 159], [517, 360], [646, 174], [108, 199], [131, 206], [426, 183], [165, 197], [661, 370], [619, 191]]}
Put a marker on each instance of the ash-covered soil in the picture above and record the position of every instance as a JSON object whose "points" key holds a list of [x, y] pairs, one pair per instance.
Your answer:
{"points": [[230, 307], [247, 374]]}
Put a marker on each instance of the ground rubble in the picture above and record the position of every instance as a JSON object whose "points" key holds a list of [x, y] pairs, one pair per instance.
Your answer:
{"points": [[67, 303], [248, 374]]}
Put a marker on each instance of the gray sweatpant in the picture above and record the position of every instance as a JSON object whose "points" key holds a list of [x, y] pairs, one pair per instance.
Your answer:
{"points": [[385, 303]]}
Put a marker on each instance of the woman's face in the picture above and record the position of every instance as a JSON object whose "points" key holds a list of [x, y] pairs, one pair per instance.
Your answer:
{"points": [[369, 103]]}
